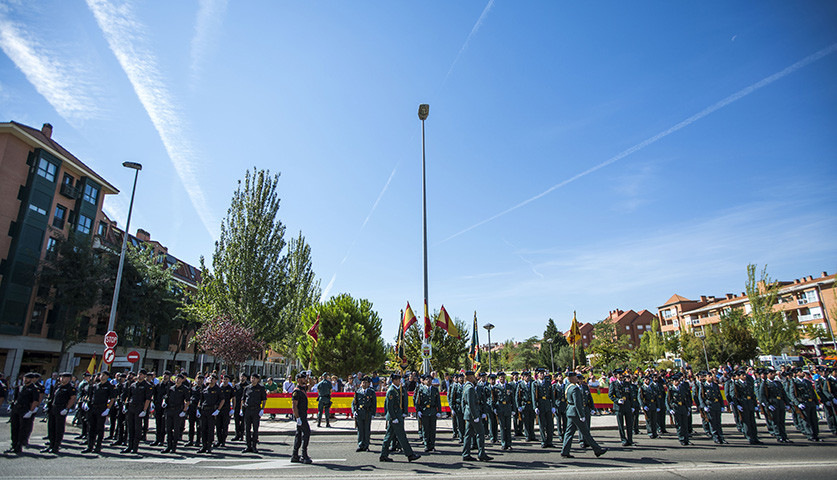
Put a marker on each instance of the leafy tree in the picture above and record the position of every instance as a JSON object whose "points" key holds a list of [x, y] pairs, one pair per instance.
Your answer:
{"points": [[521, 356], [771, 330], [656, 341], [449, 353], [610, 350], [72, 277], [228, 340], [734, 342], [349, 336], [558, 341], [564, 358]]}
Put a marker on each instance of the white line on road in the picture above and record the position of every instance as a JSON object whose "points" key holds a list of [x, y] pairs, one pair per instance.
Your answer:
{"points": [[270, 464]]}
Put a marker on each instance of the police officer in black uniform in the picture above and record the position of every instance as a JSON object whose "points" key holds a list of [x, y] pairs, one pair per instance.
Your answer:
{"points": [[160, 391], [62, 397], [101, 398], [195, 394], [176, 404], [23, 411], [208, 412], [139, 397], [252, 409], [239, 420], [222, 427]]}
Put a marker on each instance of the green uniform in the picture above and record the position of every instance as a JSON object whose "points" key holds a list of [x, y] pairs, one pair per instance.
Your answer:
{"points": [[826, 395], [364, 405], [678, 400], [428, 406], [773, 396], [559, 401], [729, 389], [647, 399], [578, 412], [455, 402], [620, 394], [745, 402], [324, 402], [711, 403], [542, 400], [504, 407], [523, 400], [396, 408], [474, 421], [804, 398]]}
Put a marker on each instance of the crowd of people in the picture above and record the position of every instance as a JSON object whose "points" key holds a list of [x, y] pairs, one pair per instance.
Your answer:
{"points": [[201, 412]]}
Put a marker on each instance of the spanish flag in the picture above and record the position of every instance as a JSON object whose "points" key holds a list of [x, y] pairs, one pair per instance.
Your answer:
{"points": [[474, 354], [409, 318], [446, 323], [575, 334], [428, 325]]}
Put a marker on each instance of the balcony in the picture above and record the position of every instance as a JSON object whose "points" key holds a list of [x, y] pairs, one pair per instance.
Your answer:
{"points": [[69, 191]]}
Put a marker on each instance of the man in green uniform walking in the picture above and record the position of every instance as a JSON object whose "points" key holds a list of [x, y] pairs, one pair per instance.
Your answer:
{"points": [[324, 400], [577, 414], [395, 414], [428, 405], [474, 421]]}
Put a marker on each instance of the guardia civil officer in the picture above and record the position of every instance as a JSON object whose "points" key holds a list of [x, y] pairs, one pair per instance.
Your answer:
{"points": [[474, 421], [523, 399], [455, 402], [62, 398], [504, 408], [560, 402], [394, 405], [364, 405], [578, 412], [804, 397], [176, 404], [745, 400], [299, 404], [252, 403], [623, 406], [101, 400], [543, 401], [243, 381], [678, 400], [712, 403], [324, 400], [138, 399], [647, 402], [772, 394], [222, 427]]}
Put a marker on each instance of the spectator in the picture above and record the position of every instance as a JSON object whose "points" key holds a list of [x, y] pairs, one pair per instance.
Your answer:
{"points": [[376, 380], [288, 386]]}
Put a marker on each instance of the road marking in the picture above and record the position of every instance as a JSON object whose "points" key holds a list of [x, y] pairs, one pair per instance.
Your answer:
{"points": [[269, 464]]}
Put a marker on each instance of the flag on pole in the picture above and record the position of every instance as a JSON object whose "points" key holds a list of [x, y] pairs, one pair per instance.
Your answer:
{"points": [[446, 323], [408, 319], [91, 367], [399, 346], [314, 331], [428, 325], [575, 334], [474, 354]]}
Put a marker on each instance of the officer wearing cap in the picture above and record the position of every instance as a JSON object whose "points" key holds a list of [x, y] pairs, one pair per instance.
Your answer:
{"points": [[102, 395], [428, 404], [472, 412], [364, 406], [804, 397], [483, 397], [559, 400], [23, 412], [775, 400], [394, 406], [81, 413], [455, 402], [504, 407], [677, 401], [647, 397], [517, 418], [822, 388], [492, 427], [176, 405], [222, 425], [195, 394], [543, 401], [138, 399], [623, 407], [324, 400], [745, 400], [711, 402], [61, 401], [830, 394], [523, 402], [209, 409], [117, 418], [253, 403], [578, 413], [160, 391], [299, 405]]}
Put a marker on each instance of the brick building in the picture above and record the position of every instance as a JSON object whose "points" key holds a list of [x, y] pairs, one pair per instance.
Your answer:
{"points": [[631, 323]]}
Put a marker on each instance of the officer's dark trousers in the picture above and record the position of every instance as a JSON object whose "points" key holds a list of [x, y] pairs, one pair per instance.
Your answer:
{"points": [[778, 415], [17, 427], [395, 433], [809, 421], [714, 417], [95, 427], [120, 426], [364, 429], [505, 423], [651, 422], [251, 426], [831, 415], [454, 423], [207, 428], [545, 425], [473, 433], [55, 430], [528, 415], [194, 427], [748, 420], [682, 422], [134, 427], [560, 423], [239, 424], [492, 423], [661, 418], [223, 425], [459, 419], [160, 425], [625, 420], [574, 423], [323, 407], [428, 428], [114, 414], [303, 435], [174, 428]]}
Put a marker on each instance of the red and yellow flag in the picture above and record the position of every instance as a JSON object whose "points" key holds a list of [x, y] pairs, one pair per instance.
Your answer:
{"points": [[574, 335], [428, 325], [444, 322], [409, 318], [314, 331]]}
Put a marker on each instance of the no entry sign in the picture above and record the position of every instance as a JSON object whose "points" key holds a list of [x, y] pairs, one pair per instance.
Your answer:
{"points": [[133, 357], [109, 355], [110, 339]]}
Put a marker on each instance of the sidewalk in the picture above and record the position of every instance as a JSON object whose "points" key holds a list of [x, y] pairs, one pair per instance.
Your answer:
{"points": [[343, 426]]}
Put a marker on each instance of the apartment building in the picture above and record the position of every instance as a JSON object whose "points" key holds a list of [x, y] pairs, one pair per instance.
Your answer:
{"points": [[631, 323]]}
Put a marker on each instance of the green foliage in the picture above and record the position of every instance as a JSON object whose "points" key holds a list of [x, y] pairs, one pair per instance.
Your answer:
{"points": [[729, 341], [611, 350], [522, 356], [558, 341], [773, 333], [75, 275], [564, 357], [349, 337]]}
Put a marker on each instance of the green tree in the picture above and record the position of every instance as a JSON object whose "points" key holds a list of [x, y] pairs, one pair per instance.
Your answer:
{"points": [[558, 341], [733, 342], [521, 356], [72, 277], [610, 350], [564, 358], [771, 330], [349, 336], [656, 341], [250, 278]]}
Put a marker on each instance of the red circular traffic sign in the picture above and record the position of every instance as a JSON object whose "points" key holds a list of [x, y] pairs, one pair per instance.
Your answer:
{"points": [[110, 339], [133, 357], [109, 356]]}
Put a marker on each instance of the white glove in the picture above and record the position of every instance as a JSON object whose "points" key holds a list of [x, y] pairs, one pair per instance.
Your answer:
{"points": [[484, 416], [553, 410], [740, 408], [181, 414], [771, 407], [394, 420], [438, 415], [232, 412], [419, 414], [299, 421], [216, 412], [705, 409], [583, 419], [125, 409], [29, 413], [671, 412], [84, 406], [519, 409], [198, 412], [621, 401], [64, 412], [645, 408], [477, 420], [633, 409], [261, 412], [164, 404], [241, 413], [537, 411], [757, 408], [801, 406], [106, 412], [142, 414]]}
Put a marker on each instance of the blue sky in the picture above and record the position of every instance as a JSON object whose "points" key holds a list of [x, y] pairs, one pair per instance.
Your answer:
{"points": [[580, 156]]}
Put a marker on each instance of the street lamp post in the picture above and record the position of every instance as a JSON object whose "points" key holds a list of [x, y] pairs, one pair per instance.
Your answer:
{"points": [[112, 320], [423, 111], [488, 327], [551, 356], [705, 356]]}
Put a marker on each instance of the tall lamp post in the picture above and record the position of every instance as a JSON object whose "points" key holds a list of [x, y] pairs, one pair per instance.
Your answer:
{"points": [[112, 320], [423, 111], [703, 340], [489, 327], [551, 356]]}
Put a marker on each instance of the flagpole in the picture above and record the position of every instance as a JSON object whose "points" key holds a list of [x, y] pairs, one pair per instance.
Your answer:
{"points": [[424, 110]]}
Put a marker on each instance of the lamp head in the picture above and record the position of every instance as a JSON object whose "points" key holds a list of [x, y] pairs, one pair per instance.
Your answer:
{"points": [[424, 110], [134, 165]]}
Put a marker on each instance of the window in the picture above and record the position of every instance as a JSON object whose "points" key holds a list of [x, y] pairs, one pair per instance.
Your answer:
{"points": [[68, 179], [51, 244], [628, 328], [91, 194], [807, 297], [59, 217], [103, 229], [666, 314], [38, 209], [85, 223], [47, 169], [748, 308]]}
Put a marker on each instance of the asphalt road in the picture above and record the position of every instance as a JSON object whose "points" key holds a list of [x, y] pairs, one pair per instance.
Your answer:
{"points": [[335, 457]]}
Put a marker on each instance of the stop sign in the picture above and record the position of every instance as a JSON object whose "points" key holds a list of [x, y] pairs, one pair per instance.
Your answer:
{"points": [[110, 339], [133, 357]]}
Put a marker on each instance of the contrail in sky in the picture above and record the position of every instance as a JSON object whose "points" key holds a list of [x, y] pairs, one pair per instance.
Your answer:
{"points": [[685, 123], [468, 40]]}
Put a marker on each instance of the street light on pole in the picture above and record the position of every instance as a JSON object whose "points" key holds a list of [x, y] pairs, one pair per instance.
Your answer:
{"points": [[423, 111], [112, 320], [703, 340], [488, 327], [551, 357]]}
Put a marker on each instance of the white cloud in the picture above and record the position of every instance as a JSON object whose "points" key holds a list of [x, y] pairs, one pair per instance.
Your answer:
{"points": [[127, 39], [207, 28], [61, 81]]}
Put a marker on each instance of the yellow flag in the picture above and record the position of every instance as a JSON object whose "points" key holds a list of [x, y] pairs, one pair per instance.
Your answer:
{"points": [[91, 367], [575, 334]]}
